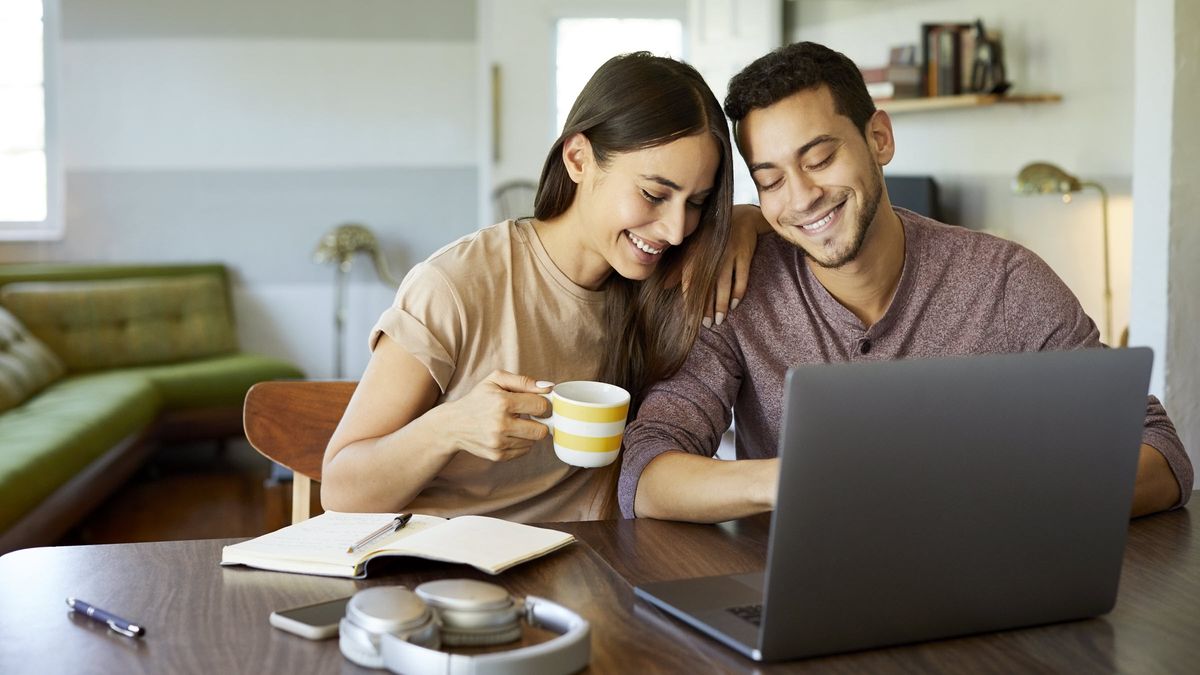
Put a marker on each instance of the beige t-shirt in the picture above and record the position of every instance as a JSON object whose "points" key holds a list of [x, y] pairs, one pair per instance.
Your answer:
{"points": [[495, 300]]}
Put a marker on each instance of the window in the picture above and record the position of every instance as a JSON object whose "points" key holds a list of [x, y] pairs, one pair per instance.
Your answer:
{"points": [[30, 177], [583, 45]]}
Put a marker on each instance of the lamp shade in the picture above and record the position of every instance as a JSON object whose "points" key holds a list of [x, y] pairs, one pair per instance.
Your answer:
{"points": [[1043, 178]]}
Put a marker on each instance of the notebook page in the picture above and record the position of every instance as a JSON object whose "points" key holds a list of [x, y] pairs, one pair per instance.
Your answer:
{"points": [[489, 544], [326, 537]]}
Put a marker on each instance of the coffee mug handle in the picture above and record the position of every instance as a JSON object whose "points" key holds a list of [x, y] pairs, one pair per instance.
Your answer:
{"points": [[548, 421]]}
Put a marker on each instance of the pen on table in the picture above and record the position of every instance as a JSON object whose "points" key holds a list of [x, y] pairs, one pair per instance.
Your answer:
{"points": [[392, 526], [115, 623]]}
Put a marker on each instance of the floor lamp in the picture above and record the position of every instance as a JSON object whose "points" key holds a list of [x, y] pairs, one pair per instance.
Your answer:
{"points": [[339, 246], [1042, 178]]}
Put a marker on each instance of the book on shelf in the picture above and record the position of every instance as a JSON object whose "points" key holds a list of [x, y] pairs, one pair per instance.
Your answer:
{"points": [[903, 55], [882, 91], [893, 81], [900, 74], [948, 57], [319, 545]]}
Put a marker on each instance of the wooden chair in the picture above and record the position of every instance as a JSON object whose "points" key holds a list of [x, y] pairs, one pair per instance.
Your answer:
{"points": [[290, 422]]}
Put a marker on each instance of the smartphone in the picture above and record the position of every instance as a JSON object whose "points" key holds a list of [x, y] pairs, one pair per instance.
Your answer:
{"points": [[315, 622]]}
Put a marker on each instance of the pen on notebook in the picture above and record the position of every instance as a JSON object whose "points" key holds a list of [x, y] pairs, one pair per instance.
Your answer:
{"points": [[115, 623], [392, 526]]}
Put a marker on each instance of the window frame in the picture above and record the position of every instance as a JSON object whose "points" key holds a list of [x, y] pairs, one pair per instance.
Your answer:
{"points": [[52, 228]]}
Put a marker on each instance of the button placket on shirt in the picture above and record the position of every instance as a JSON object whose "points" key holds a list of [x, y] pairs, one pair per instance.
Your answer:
{"points": [[861, 347]]}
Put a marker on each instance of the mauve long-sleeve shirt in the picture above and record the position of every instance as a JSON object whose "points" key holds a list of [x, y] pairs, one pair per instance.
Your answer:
{"points": [[961, 292]]}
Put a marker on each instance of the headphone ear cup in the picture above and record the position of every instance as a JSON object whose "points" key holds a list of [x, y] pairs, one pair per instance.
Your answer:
{"points": [[473, 613], [480, 638]]}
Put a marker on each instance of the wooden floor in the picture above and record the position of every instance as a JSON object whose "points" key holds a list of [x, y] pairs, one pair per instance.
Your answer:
{"points": [[191, 491]]}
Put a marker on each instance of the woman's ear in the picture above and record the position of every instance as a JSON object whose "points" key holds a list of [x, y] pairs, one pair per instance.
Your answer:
{"points": [[577, 156]]}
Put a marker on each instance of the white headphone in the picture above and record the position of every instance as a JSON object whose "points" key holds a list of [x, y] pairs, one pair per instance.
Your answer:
{"points": [[401, 630]]}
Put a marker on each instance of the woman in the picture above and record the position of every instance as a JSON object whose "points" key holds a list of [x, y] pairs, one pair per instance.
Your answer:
{"points": [[636, 188]]}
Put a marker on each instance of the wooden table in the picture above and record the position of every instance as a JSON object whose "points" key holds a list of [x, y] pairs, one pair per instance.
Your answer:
{"points": [[204, 618]]}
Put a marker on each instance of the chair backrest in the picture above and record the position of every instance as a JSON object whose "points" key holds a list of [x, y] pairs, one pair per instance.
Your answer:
{"points": [[290, 422], [513, 199]]}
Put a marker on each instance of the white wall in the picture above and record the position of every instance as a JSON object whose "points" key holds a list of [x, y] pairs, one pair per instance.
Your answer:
{"points": [[1166, 172], [267, 103], [1154, 97], [1183, 283], [1068, 47]]}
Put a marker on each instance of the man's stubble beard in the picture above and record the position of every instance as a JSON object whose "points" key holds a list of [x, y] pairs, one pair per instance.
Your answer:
{"points": [[865, 218]]}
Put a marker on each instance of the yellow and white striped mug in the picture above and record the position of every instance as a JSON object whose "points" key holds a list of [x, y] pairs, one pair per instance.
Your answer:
{"points": [[588, 421]]}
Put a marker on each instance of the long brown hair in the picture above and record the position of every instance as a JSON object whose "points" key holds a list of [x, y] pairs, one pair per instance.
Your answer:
{"points": [[637, 101]]}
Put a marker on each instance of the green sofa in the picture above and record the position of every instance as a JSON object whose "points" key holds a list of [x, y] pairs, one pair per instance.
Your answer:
{"points": [[98, 365]]}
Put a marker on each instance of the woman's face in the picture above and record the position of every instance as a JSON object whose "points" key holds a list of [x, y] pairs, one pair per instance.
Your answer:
{"points": [[643, 202]]}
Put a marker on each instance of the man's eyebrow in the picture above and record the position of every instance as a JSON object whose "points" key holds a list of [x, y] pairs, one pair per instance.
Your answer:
{"points": [[823, 138], [667, 182]]}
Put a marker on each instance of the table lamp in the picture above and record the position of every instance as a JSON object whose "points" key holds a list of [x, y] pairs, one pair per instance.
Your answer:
{"points": [[339, 245], [1043, 178]]}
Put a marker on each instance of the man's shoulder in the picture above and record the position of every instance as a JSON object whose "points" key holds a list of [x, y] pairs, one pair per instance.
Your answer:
{"points": [[957, 257], [773, 270], [773, 255], [960, 245]]}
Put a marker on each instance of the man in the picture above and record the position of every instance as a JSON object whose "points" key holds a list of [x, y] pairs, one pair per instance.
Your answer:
{"points": [[844, 277]]}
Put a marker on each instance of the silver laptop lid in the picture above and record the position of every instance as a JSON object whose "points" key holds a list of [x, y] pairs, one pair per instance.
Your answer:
{"points": [[927, 498]]}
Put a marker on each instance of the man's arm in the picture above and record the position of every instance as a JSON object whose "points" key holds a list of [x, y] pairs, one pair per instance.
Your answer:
{"points": [[679, 486], [1044, 315], [678, 429], [1156, 488]]}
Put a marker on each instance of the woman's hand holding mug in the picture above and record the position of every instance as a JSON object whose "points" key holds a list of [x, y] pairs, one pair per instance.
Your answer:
{"points": [[492, 420]]}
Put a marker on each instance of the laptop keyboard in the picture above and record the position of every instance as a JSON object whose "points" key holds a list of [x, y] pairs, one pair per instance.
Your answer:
{"points": [[751, 613]]}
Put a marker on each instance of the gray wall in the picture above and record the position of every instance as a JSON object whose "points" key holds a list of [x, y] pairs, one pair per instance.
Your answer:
{"points": [[263, 223]]}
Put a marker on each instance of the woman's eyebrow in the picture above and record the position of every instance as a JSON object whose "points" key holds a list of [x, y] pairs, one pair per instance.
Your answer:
{"points": [[666, 182]]}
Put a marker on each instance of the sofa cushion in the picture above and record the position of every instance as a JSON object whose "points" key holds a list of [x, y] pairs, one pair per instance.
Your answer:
{"points": [[26, 365], [54, 435], [95, 325], [218, 381]]}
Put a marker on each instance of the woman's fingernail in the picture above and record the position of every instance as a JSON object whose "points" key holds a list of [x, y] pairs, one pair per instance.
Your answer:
{"points": [[707, 322], [733, 304], [543, 384], [720, 318]]}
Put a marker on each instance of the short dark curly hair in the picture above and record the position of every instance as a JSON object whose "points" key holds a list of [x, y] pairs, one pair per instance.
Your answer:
{"points": [[796, 67]]}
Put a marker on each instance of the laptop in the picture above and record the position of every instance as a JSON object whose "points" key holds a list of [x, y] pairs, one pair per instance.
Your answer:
{"points": [[924, 499]]}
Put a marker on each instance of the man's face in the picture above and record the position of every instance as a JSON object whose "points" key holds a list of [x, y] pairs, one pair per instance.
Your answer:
{"points": [[819, 181]]}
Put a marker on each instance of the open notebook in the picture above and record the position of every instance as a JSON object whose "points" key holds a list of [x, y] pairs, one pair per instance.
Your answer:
{"points": [[318, 545]]}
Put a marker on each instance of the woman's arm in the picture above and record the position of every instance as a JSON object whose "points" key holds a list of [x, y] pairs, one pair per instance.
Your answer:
{"points": [[392, 440], [748, 223]]}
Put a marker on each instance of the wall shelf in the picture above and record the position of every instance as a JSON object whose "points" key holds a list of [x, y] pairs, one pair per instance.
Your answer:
{"points": [[910, 105]]}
